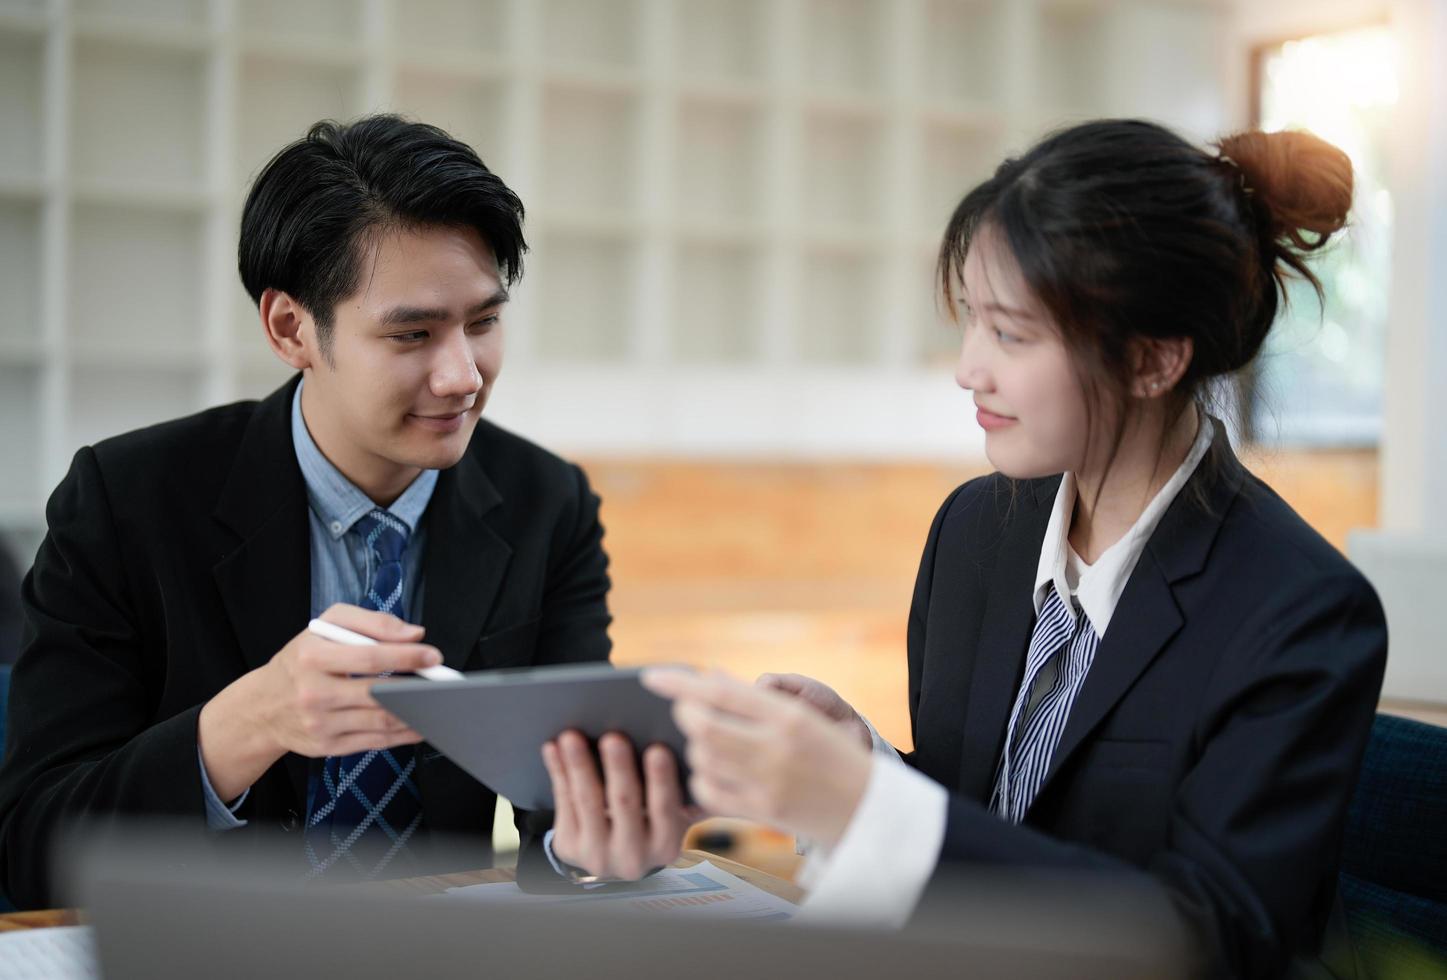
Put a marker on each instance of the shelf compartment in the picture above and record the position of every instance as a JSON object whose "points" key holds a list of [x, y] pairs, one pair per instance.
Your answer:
{"points": [[722, 41], [151, 14], [281, 99], [137, 115], [588, 154], [470, 110], [19, 273], [843, 47], [953, 159], [106, 401], [596, 33], [24, 17], [586, 297], [962, 46], [185, 199], [842, 175], [839, 322], [720, 166], [141, 269], [937, 336], [22, 64], [20, 407], [301, 20], [717, 304], [1076, 50], [447, 27]]}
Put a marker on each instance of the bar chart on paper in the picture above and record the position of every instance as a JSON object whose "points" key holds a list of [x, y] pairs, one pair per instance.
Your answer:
{"points": [[702, 891]]}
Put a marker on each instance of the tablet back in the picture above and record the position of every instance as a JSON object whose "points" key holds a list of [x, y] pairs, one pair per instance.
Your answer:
{"points": [[493, 724]]}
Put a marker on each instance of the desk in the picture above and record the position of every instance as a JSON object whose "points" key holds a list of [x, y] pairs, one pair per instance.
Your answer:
{"points": [[39, 919], [433, 884]]}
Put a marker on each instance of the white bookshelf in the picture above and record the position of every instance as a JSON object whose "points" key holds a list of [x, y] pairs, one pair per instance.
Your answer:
{"points": [[733, 204]]}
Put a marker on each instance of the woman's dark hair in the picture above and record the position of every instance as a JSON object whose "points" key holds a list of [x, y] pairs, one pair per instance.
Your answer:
{"points": [[1123, 230], [318, 204]]}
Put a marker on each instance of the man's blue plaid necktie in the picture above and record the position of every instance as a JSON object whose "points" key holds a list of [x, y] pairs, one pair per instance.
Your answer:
{"points": [[362, 809]]}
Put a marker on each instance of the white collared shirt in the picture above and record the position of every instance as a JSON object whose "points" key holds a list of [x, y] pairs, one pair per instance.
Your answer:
{"points": [[889, 850], [1097, 587]]}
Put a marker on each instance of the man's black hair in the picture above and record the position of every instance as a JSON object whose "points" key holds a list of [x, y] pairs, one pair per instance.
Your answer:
{"points": [[318, 204]]}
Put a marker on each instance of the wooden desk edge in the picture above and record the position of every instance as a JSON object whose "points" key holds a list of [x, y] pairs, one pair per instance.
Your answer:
{"points": [[39, 919], [433, 884]]}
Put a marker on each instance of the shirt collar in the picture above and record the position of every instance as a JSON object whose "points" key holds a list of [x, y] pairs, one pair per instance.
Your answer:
{"points": [[337, 500], [1102, 583]]}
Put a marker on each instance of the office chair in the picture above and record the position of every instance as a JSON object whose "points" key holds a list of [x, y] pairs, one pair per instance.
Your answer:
{"points": [[1394, 856]]}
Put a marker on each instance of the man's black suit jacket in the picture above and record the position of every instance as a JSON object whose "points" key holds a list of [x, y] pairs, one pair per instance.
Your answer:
{"points": [[177, 559], [1216, 741]]}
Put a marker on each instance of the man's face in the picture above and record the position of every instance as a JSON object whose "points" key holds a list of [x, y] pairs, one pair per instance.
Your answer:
{"points": [[413, 356]]}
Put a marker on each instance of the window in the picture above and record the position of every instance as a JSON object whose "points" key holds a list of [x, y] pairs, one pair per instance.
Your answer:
{"points": [[1318, 381]]}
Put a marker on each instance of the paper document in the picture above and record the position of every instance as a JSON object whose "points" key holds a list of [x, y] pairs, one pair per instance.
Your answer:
{"points": [[57, 953], [702, 891]]}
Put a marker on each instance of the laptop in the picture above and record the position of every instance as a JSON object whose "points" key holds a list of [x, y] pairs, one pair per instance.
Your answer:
{"points": [[159, 911]]}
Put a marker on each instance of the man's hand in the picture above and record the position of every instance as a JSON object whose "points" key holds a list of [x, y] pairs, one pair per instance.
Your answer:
{"points": [[620, 826], [823, 699], [309, 699]]}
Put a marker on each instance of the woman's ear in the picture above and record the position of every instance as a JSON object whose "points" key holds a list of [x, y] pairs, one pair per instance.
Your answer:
{"points": [[1157, 365], [289, 328]]}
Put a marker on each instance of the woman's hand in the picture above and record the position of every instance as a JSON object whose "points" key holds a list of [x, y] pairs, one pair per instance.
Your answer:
{"points": [[824, 699], [762, 755]]}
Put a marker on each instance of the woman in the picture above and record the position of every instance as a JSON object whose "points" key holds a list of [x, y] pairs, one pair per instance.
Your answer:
{"points": [[1125, 651]]}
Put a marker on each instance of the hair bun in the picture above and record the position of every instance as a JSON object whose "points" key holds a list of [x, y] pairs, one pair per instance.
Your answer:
{"points": [[1299, 191], [1299, 184]]}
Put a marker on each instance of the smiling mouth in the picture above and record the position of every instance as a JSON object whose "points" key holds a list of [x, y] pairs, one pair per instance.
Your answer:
{"points": [[442, 416], [451, 422], [988, 420]]}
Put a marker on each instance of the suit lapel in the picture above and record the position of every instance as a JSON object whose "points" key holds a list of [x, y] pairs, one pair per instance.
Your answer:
{"points": [[463, 569], [465, 563], [265, 583], [1148, 614], [999, 655], [1148, 619]]}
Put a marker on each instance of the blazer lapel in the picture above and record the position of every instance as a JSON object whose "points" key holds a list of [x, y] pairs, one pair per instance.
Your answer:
{"points": [[465, 563], [463, 568], [999, 655], [1148, 615], [265, 583]]}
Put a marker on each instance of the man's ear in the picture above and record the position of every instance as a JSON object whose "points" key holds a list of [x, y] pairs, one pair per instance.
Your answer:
{"points": [[290, 330], [1157, 365]]}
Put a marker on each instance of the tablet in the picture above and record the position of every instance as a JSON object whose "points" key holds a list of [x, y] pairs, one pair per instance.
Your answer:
{"points": [[493, 723]]}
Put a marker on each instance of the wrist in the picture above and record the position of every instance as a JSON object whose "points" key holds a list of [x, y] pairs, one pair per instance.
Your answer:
{"points": [[235, 741], [847, 792]]}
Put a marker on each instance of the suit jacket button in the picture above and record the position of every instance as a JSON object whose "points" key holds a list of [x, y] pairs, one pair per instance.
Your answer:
{"points": [[291, 821]]}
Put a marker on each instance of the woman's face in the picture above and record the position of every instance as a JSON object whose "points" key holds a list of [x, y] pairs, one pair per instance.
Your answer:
{"points": [[1027, 397]]}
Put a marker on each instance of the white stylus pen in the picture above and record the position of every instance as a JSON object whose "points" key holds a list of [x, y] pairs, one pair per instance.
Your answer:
{"points": [[340, 634]]}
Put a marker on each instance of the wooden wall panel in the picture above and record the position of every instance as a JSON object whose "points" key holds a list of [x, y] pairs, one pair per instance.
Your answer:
{"points": [[755, 567]]}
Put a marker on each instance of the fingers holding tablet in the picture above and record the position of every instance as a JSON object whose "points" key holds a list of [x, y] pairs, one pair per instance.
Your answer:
{"points": [[620, 820]]}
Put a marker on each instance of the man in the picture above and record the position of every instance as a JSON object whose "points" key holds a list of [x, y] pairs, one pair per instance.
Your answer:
{"points": [[166, 668]]}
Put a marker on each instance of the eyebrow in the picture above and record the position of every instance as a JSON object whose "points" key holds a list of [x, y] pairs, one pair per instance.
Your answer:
{"points": [[1012, 312], [428, 314]]}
